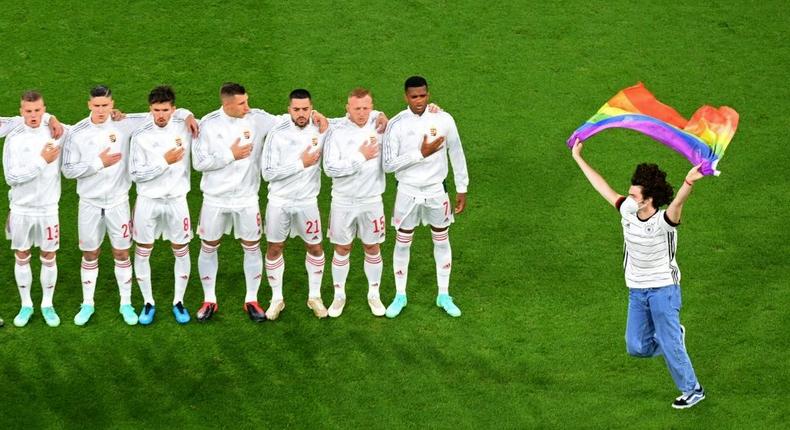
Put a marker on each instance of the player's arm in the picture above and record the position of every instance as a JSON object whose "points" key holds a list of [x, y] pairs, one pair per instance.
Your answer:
{"points": [[337, 166], [144, 165], [9, 123], [208, 155], [272, 167], [73, 164], [676, 207], [595, 178], [19, 170], [458, 160], [394, 160]]}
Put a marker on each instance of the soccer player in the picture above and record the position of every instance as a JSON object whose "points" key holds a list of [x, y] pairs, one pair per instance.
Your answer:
{"points": [[227, 153], [31, 163], [651, 271], [416, 145], [290, 164], [96, 153], [159, 164], [352, 160]]}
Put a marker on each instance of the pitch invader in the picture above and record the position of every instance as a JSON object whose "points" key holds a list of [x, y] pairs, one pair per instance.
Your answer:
{"points": [[227, 153], [352, 160], [290, 164], [96, 153], [31, 163], [159, 165], [416, 147]]}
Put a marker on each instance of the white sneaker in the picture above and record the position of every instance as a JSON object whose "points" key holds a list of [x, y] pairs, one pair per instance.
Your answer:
{"points": [[336, 308], [317, 305], [274, 310], [376, 306]]}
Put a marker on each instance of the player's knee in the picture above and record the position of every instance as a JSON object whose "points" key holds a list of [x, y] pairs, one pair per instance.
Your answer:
{"points": [[343, 249], [47, 255], [211, 243], [439, 229], [274, 250], [315, 249], [372, 249], [637, 349], [23, 255], [90, 255], [120, 254], [145, 245]]}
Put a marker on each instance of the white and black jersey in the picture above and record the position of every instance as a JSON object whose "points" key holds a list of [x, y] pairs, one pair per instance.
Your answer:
{"points": [[649, 247]]}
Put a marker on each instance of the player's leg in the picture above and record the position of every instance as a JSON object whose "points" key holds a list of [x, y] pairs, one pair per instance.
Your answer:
{"points": [[371, 230], [247, 225], [405, 219], [640, 340], [144, 233], [119, 229], [307, 222], [178, 230], [342, 230], [438, 214], [341, 262], [277, 225], [665, 304], [213, 223], [48, 240], [24, 280], [91, 228]]}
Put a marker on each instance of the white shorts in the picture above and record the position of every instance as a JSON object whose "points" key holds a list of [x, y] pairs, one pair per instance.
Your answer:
{"points": [[216, 221], [283, 222], [93, 222], [363, 221], [165, 218], [27, 231], [410, 211]]}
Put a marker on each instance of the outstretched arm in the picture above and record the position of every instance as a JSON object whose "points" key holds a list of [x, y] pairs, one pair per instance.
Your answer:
{"points": [[676, 207], [595, 178]]}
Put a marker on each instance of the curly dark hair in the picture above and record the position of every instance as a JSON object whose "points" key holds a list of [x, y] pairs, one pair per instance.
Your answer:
{"points": [[654, 184]]}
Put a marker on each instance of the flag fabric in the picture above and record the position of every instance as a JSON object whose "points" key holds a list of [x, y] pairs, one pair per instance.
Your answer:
{"points": [[701, 139]]}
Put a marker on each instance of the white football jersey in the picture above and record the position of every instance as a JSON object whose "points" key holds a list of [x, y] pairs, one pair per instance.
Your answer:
{"points": [[353, 177], [401, 152], [35, 184], [649, 248], [281, 163], [148, 168]]}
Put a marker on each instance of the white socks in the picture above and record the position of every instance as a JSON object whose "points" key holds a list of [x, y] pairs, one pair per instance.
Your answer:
{"points": [[274, 273], [123, 276], [315, 273], [373, 269], [443, 256], [253, 268], [48, 278], [142, 269], [181, 269], [24, 278], [207, 268], [340, 266], [89, 271], [400, 260]]}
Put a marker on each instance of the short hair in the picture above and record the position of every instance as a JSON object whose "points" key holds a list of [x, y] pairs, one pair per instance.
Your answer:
{"points": [[415, 82], [299, 93], [230, 89], [162, 94], [654, 184], [30, 96], [359, 93], [101, 91]]}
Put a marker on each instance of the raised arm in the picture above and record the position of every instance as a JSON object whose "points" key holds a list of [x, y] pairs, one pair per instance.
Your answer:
{"points": [[595, 178], [676, 207]]}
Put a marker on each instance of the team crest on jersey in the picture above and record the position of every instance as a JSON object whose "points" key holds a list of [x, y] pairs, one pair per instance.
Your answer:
{"points": [[247, 134], [433, 131], [372, 139], [315, 141], [113, 137], [178, 141]]}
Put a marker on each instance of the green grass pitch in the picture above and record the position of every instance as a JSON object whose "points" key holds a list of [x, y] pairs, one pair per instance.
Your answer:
{"points": [[537, 256]]}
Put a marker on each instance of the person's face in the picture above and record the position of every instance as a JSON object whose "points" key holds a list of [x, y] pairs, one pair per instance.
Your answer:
{"points": [[635, 192], [162, 112], [32, 112], [417, 98], [359, 109], [101, 108], [300, 110], [236, 106]]}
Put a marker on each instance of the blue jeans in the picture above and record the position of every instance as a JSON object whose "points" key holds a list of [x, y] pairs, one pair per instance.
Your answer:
{"points": [[653, 328]]}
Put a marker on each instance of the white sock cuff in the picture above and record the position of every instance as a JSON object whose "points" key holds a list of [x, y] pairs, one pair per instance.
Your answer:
{"points": [[440, 236], [90, 265], [181, 252], [315, 261], [208, 249], [274, 264], [341, 260], [22, 261], [123, 264], [404, 238], [251, 249], [373, 258], [48, 263]]}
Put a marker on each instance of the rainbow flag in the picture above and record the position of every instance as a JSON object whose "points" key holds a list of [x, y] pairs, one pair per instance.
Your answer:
{"points": [[702, 139]]}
